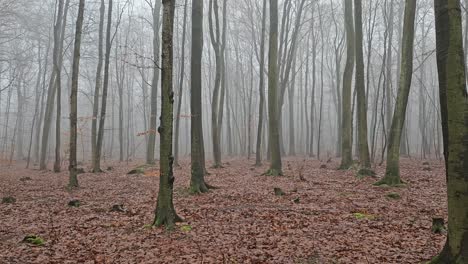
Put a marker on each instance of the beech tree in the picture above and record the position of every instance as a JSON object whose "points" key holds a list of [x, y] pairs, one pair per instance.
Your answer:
{"points": [[165, 213], [72, 168], [392, 171], [364, 156], [273, 124], [454, 113], [347, 128], [197, 180]]}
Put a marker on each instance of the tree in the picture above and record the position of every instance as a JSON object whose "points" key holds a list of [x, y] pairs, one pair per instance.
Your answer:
{"points": [[261, 105], [165, 212], [218, 41], [102, 116], [392, 172], [454, 113], [197, 180], [364, 156], [154, 85], [52, 86], [97, 87], [72, 167], [347, 129], [181, 87], [273, 122]]}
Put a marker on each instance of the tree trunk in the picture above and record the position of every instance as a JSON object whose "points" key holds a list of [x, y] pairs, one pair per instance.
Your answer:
{"points": [[364, 156], [72, 167], [165, 213], [392, 173], [261, 87], [52, 88], [102, 116], [154, 86], [98, 84], [181, 87], [274, 141], [347, 129], [454, 112], [197, 181]]}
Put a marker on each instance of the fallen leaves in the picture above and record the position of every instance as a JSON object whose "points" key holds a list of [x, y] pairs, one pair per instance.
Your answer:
{"points": [[325, 216]]}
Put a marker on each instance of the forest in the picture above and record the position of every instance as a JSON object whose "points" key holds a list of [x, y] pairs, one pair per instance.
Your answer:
{"points": [[233, 131]]}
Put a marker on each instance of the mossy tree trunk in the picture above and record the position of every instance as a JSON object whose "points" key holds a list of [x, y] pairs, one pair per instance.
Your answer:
{"points": [[347, 116], [364, 156], [454, 113], [165, 212], [392, 172], [72, 168], [197, 181], [274, 140]]}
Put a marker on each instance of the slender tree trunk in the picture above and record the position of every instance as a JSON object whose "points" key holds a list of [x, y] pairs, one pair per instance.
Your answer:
{"points": [[261, 105], [102, 116], [364, 156], [346, 133], [52, 88], [392, 173], [454, 113], [72, 167], [181, 87], [98, 84], [154, 86], [197, 181]]}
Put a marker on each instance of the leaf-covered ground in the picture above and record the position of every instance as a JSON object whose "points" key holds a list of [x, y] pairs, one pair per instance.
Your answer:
{"points": [[329, 216]]}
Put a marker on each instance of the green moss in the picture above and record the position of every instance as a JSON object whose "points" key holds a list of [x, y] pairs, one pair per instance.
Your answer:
{"points": [[358, 215], [186, 228], [34, 240]]}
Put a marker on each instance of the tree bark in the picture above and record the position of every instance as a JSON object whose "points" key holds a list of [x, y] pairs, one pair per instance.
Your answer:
{"points": [[392, 172], [454, 113], [347, 129], [72, 167], [274, 141], [165, 213], [154, 86], [364, 156]]}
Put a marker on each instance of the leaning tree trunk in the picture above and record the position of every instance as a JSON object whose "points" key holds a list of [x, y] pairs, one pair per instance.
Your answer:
{"points": [[51, 89], [274, 140], [392, 172], [347, 116], [454, 113], [165, 213], [364, 156], [154, 86], [72, 167]]}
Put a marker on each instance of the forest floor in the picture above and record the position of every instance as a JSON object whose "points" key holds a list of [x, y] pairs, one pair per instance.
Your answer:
{"points": [[329, 216]]}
